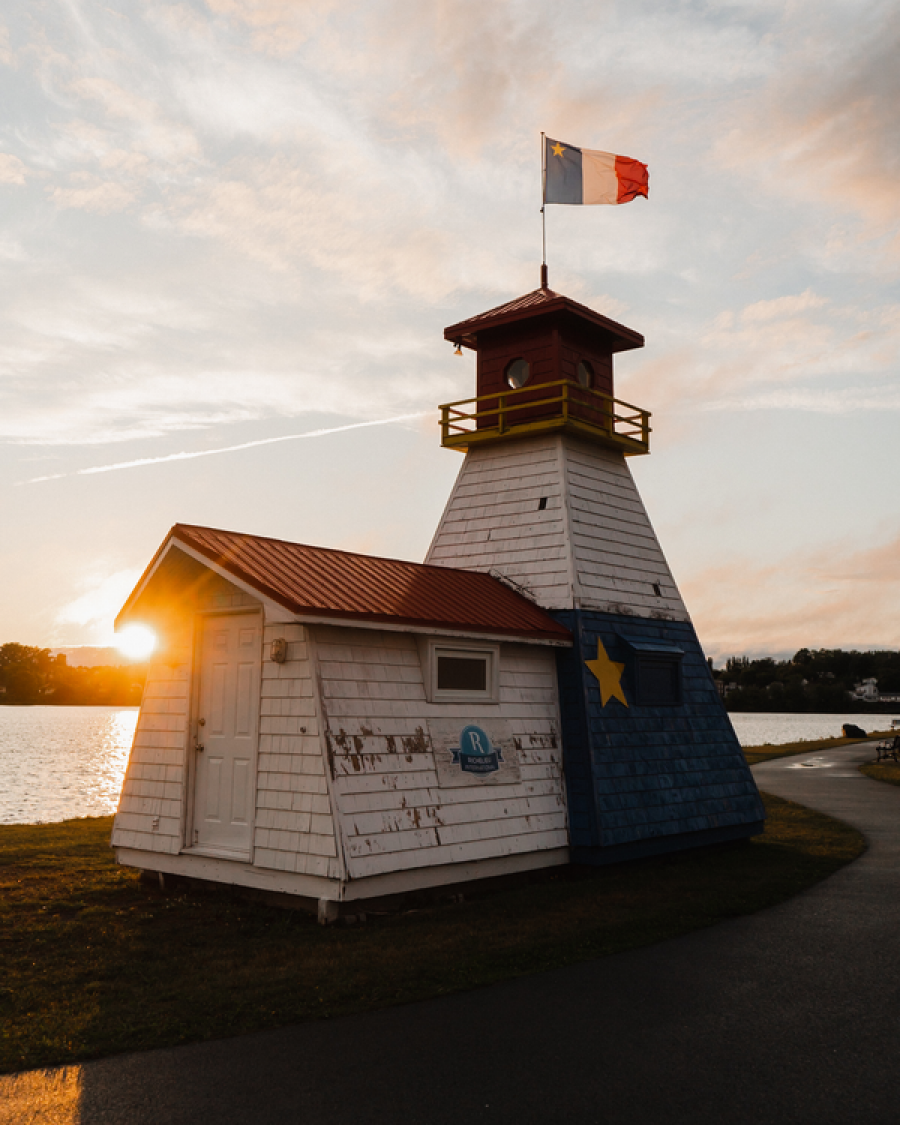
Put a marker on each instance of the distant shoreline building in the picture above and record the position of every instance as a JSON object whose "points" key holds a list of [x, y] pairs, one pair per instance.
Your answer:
{"points": [[867, 692]]}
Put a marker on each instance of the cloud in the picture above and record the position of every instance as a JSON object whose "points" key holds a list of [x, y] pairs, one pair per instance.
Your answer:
{"points": [[102, 197], [12, 170], [798, 351], [95, 608], [846, 400], [278, 27], [254, 211], [824, 126], [782, 307], [830, 596]]}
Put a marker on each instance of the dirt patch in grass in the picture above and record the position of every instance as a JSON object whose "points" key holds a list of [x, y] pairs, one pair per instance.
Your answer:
{"points": [[755, 754], [93, 963]]}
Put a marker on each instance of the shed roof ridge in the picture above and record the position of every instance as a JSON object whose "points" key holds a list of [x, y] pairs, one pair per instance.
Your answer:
{"points": [[315, 547]]}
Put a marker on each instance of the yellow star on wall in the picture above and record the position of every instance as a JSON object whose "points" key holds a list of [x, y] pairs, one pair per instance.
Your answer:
{"points": [[609, 676], [557, 149]]}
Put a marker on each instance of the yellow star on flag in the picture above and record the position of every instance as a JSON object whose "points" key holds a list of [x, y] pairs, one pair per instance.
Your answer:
{"points": [[609, 676], [557, 149]]}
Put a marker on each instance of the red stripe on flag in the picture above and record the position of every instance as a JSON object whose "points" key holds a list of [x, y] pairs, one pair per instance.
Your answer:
{"points": [[634, 180]]}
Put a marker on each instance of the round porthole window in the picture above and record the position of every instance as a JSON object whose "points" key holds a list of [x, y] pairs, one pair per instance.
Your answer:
{"points": [[517, 373], [584, 373]]}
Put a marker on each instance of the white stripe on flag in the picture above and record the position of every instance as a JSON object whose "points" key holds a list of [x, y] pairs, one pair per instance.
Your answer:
{"points": [[599, 182]]}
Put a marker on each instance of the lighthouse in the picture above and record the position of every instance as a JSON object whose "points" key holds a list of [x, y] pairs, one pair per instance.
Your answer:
{"points": [[545, 501], [338, 727]]}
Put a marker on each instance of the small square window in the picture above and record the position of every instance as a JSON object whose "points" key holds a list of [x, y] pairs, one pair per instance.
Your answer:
{"points": [[656, 672], [658, 681], [464, 673]]}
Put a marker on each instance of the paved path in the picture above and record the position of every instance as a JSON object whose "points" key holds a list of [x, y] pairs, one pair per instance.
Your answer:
{"points": [[790, 1015]]}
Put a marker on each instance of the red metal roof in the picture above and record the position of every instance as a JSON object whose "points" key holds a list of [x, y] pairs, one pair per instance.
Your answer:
{"points": [[319, 581], [538, 303]]}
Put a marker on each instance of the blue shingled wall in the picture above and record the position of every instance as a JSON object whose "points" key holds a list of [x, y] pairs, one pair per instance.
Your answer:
{"points": [[663, 776]]}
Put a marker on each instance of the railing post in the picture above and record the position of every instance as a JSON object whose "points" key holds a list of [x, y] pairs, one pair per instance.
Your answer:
{"points": [[445, 425], [565, 402], [501, 415]]}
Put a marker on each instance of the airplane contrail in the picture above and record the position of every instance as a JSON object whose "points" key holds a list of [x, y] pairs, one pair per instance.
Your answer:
{"points": [[185, 456]]}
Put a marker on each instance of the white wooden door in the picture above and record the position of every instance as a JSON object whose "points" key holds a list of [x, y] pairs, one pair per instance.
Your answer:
{"points": [[227, 729]]}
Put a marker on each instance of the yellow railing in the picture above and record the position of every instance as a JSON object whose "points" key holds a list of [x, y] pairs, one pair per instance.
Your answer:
{"points": [[546, 406]]}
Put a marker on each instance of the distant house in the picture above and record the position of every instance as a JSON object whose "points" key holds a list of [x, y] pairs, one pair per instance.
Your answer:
{"points": [[867, 692], [341, 727]]}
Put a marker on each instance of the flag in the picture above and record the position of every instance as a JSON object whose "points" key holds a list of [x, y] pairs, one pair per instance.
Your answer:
{"points": [[579, 175]]}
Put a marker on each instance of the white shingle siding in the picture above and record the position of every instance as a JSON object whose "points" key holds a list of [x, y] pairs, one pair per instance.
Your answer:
{"points": [[596, 551], [294, 826], [393, 813], [154, 778]]}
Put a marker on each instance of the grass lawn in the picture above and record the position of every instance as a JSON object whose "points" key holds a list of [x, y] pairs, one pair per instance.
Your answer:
{"points": [[882, 771], [92, 962]]}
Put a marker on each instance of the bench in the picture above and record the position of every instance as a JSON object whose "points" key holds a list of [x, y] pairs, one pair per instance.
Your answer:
{"points": [[888, 748]]}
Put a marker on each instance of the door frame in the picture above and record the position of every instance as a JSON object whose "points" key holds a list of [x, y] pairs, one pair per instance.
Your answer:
{"points": [[190, 773]]}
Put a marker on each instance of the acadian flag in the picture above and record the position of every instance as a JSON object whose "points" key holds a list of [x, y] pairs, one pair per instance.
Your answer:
{"points": [[579, 175]]}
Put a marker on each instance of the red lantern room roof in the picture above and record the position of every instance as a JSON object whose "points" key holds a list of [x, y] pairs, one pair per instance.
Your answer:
{"points": [[542, 303]]}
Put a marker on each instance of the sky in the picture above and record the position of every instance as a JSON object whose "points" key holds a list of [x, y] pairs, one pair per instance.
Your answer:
{"points": [[233, 231]]}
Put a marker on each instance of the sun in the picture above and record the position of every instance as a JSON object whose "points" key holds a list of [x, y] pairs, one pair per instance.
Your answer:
{"points": [[136, 642]]}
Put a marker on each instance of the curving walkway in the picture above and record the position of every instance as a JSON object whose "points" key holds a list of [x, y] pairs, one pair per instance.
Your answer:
{"points": [[789, 1015]]}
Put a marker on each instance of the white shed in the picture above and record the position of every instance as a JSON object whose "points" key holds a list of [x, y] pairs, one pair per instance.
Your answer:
{"points": [[336, 726]]}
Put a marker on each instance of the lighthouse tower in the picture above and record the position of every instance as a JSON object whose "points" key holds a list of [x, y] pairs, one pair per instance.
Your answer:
{"points": [[546, 502]]}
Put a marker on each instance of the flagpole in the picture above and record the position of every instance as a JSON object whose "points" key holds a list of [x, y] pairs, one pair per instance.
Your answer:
{"points": [[543, 212]]}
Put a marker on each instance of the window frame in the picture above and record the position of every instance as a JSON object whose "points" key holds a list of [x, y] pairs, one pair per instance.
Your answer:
{"points": [[647, 653], [507, 373], [436, 647]]}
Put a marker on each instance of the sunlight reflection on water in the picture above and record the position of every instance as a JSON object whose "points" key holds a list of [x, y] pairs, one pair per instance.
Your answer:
{"points": [[61, 762], [759, 728]]}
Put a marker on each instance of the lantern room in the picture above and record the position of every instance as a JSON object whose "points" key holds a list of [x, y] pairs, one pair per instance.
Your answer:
{"points": [[544, 362]]}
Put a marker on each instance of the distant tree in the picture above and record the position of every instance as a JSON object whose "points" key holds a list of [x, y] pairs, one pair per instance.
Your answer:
{"points": [[813, 680], [23, 672], [31, 675]]}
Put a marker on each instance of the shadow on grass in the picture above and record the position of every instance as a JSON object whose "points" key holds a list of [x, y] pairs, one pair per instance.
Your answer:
{"points": [[97, 963]]}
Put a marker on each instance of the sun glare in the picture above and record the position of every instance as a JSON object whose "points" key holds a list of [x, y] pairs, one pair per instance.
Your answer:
{"points": [[136, 642]]}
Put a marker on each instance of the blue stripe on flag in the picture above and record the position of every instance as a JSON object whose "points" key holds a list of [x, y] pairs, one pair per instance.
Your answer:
{"points": [[564, 179]]}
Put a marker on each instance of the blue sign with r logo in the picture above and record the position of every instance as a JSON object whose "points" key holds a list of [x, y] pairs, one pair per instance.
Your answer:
{"points": [[476, 753]]}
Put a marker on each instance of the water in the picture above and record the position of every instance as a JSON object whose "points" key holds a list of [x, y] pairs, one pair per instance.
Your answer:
{"points": [[755, 728], [61, 762]]}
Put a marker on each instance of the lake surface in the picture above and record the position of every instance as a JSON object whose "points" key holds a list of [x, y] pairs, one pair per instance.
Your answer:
{"points": [[61, 762], [754, 728]]}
